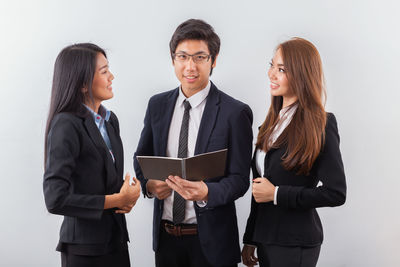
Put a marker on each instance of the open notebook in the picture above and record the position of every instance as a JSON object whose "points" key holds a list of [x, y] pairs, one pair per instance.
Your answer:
{"points": [[196, 168]]}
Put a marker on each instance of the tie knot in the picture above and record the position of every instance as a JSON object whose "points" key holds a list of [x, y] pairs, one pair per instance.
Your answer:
{"points": [[187, 105]]}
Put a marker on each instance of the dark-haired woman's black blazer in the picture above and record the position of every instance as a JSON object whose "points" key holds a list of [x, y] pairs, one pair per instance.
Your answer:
{"points": [[294, 221], [79, 171]]}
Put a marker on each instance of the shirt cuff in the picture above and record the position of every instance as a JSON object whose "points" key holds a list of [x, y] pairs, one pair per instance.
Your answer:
{"points": [[148, 194], [201, 203], [249, 245], [276, 195]]}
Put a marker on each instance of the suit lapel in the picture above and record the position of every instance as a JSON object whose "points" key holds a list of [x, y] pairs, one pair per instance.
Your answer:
{"points": [[116, 145], [253, 164], [97, 139], [94, 133], [166, 112], [207, 120]]}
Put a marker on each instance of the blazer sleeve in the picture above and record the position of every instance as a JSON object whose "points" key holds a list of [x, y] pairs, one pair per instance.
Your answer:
{"points": [[145, 148], [114, 122], [250, 226], [251, 221], [329, 170], [236, 183], [63, 148]]}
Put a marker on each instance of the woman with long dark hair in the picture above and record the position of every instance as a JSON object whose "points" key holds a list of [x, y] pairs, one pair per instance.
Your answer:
{"points": [[84, 162], [297, 148]]}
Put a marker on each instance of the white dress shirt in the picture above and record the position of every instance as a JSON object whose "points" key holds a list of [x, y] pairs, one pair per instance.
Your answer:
{"points": [[285, 117], [197, 102]]}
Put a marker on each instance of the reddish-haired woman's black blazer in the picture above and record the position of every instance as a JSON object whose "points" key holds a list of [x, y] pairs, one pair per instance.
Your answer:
{"points": [[294, 221]]}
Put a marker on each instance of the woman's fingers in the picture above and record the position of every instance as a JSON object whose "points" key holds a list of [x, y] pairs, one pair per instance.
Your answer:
{"points": [[120, 211], [127, 178], [248, 256], [135, 181], [126, 208], [259, 179]]}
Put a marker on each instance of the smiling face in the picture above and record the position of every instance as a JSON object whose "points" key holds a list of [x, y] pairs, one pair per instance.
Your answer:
{"points": [[193, 76], [102, 81], [279, 81]]}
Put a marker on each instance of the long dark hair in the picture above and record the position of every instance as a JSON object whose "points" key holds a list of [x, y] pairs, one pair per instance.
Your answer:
{"points": [[305, 135], [74, 69]]}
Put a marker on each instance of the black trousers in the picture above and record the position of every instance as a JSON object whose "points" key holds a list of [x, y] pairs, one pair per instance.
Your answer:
{"points": [[183, 251], [118, 258], [281, 256]]}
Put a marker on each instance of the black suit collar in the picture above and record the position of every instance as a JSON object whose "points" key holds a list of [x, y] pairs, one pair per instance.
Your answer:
{"points": [[98, 140], [116, 145], [208, 120]]}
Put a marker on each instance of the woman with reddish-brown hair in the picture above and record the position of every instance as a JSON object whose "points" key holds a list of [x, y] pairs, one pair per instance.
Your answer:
{"points": [[297, 166]]}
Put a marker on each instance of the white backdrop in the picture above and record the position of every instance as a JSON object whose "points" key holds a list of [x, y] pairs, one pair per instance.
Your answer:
{"points": [[359, 45]]}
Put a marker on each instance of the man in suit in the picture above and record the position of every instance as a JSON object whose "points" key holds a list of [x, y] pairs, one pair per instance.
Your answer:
{"points": [[195, 223]]}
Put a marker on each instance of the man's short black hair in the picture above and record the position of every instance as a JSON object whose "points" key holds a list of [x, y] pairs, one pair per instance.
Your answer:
{"points": [[196, 29]]}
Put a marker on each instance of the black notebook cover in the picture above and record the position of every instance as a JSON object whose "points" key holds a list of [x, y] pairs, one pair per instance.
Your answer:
{"points": [[196, 168]]}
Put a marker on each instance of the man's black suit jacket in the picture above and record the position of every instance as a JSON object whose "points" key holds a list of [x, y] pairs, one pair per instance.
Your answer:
{"points": [[79, 172], [294, 221], [226, 123]]}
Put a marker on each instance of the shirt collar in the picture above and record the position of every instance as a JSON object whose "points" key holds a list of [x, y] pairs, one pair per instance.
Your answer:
{"points": [[104, 113], [195, 99], [288, 111]]}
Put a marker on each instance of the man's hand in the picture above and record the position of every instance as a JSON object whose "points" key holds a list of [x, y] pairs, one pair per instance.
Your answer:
{"points": [[196, 191], [248, 257], [263, 190], [159, 189]]}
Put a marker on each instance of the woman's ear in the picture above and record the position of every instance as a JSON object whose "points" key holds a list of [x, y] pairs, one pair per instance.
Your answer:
{"points": [[84, 90]]}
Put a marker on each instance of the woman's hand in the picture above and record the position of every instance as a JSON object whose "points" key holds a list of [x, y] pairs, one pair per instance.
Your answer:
{"points": [[263, 190], [125, 209], [129, 194], [126, 198], [248, 257]]}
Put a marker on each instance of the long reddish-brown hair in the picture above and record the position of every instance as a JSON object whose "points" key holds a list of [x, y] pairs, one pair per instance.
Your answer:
{"points": [[305, 135]]}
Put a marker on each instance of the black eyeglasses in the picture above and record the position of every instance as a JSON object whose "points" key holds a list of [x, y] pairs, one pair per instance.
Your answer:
{"points": [[197, 58]]}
